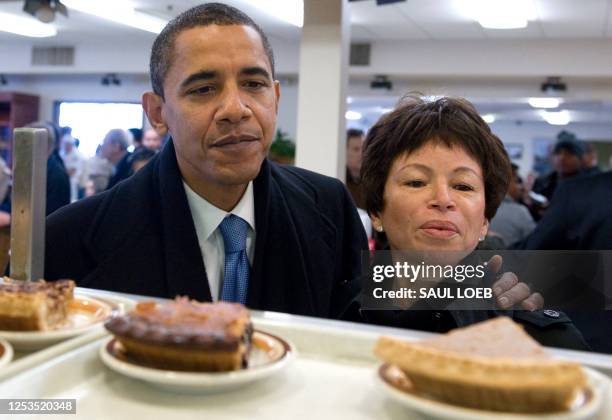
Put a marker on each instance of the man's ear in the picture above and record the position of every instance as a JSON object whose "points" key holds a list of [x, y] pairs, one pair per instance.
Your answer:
{"points": [[152, 105], [277, 94]]}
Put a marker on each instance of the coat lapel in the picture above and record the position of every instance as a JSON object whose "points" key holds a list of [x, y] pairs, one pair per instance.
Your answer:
{"points": [[185, 272], [287, 250]]}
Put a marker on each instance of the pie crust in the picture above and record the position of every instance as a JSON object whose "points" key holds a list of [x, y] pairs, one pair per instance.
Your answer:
{"points": [[493, 365]]}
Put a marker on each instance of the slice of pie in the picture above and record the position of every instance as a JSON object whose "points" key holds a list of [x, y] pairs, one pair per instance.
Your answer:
{"points": [[186, 335], [34, 305], [492, 365]]}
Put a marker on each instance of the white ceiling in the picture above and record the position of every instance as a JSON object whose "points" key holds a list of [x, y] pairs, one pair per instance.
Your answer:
{"points": [[441, 19], [409, 20]]}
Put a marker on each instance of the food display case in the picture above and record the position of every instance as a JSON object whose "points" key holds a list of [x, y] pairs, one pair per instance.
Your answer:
{"points": [[330, 372]]}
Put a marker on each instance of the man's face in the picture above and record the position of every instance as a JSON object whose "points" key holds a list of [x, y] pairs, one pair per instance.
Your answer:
{"points": [[151, 140], [108, 149], [354, 149], [516, 189], [220, 104], [566, 163]]}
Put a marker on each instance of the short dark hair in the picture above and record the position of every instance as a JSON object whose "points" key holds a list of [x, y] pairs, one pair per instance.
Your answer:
{"points": [[144, 155], [202, 15], [415, 122], [136, 134]]}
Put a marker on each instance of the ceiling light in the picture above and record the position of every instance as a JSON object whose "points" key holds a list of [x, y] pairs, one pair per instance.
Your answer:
{"points": [[499, 14], [488, 118], [556, 118], [544, 102], [25, 26], [120, 12], [290, 11], [353, 115]]}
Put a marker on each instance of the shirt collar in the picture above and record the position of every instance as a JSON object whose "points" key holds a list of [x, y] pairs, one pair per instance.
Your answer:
{"points": [[207, 217]]}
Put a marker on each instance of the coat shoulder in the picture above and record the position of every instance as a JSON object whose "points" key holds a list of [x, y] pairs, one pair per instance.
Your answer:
{"points": [[321, 188]]}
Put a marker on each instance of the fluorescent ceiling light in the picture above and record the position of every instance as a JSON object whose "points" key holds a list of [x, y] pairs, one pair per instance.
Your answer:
{"points": [[118, 11], [499, 14], [488, 118], [25, 26], [353, 115], [384, 110], [349, 100], [544, 102], [290, 11], [556, 118]]}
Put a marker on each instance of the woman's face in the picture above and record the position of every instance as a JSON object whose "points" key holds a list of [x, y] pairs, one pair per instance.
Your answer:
{"points": [[434, 199]]}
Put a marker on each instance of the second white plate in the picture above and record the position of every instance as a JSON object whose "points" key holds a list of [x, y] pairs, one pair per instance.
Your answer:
{"points": [[269, 355], [393, 382]]}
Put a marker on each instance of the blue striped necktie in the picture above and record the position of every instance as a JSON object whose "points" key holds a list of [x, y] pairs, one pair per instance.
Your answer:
{"points": [[236, 271]]}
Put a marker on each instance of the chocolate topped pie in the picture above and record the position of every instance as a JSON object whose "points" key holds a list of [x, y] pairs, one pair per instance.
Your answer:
{"points": [[186, 335], [493, 365], [34, 305]]}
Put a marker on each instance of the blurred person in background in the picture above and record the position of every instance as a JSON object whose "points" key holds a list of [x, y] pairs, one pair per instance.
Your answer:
{"points": [[354, 156], [141, 158], [513, 222], [136, 139], [580, 218], [151, 140], [58, 181], [589, 160], [99, 171], [114, 149], [567, 163], [74, 162]]}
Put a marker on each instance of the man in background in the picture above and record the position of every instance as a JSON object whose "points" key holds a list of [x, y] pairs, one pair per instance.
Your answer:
{"points": [[114, 149], [589, 160], [354, 156], [151, 140], [512, 222], [567, 163], [74, 162]]}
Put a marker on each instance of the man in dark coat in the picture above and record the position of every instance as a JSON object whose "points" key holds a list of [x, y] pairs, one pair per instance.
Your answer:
{"points": [[154, 234], [580, 218], [140, 238]]}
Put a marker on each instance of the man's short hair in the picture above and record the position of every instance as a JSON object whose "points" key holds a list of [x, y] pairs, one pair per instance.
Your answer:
{"points": [[162, 53], [353, 132], [136, 134], [119, 137]]}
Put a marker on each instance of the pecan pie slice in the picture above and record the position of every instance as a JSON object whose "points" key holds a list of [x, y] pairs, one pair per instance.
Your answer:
{"points": [[186, 335]]}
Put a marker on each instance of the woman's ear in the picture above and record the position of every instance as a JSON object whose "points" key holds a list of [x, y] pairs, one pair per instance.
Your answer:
{"points": [[152, 104], [376, 222], [485, 228]]}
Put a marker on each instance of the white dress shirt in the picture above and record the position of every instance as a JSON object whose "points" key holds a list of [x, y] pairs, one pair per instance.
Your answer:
{"points": [[207, 218]]}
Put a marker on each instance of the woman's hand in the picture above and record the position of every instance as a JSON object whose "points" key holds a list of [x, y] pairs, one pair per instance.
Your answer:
{"points": [[508, 291]]}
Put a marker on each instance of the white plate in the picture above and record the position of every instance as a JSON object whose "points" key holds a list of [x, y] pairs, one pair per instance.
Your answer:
{"points": [[584, 407], [6, 353], [269, 355], [86, 313]]}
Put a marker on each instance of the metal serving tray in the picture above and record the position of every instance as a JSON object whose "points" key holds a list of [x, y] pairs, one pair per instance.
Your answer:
{"points": [[333, 377]]}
